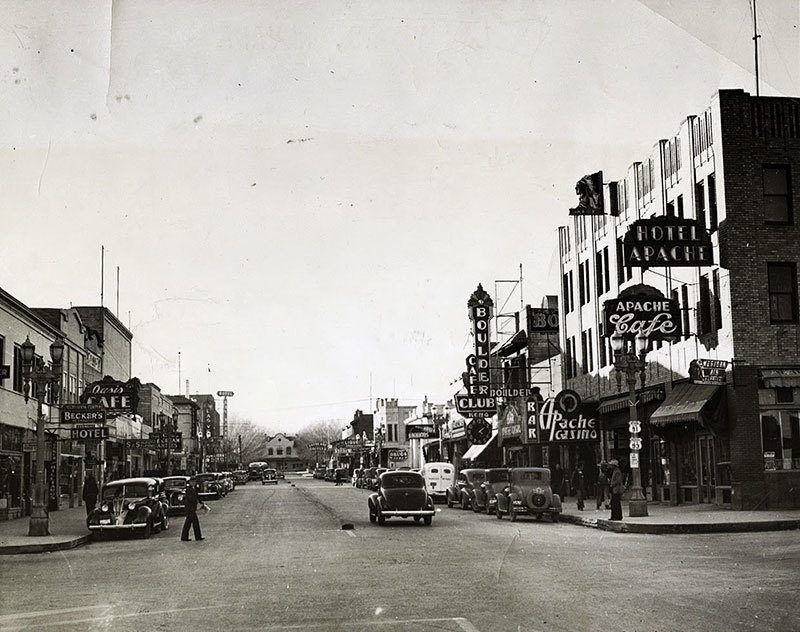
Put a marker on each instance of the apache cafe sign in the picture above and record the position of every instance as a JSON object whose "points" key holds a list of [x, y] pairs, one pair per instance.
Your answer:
{"points": [[478, 402], [116, 397], [667, 241], [642, 309]]}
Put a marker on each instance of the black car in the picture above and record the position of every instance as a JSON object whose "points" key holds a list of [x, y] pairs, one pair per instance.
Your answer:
{"points": [[174, 492], [129, 505], [401, 494]]}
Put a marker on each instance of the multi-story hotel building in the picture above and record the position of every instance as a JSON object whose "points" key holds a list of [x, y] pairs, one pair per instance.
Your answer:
{"points": [[735, 168]]}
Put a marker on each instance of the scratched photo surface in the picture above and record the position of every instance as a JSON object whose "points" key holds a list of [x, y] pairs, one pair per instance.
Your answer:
{"points": [[253, 254]]}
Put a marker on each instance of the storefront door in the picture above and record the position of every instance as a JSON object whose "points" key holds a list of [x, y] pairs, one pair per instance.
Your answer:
{"points": [[707, 479]]}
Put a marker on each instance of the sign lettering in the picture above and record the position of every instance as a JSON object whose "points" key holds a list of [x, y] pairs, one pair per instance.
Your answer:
{"points": [[88, 433], [642, 309], [668, 242]]}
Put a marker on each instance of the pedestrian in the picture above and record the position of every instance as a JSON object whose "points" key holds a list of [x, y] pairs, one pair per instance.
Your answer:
{"points": [[617, 488], [601, 487], [89, 492], [338, 476], [579, 485], [556, 479], [191, 501]]}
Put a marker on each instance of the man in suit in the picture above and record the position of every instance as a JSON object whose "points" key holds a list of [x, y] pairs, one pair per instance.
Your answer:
{"points": [[617, 487], [89, 492], [191, 501]]}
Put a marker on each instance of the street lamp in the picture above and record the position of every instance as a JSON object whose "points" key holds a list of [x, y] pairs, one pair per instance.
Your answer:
{"points": [[632, 363], [35, 372]]}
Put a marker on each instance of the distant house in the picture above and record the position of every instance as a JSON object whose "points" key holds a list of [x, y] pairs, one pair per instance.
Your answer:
{"points": [[281, 454]]}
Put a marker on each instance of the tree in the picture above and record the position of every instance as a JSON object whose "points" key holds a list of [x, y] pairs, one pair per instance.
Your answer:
{"points": [[321, 432], [253, 440]]}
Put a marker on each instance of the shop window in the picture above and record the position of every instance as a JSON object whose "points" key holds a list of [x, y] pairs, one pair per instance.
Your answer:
{"points": [[780, 439], [777, 194], [688, 463], [784, 395], [782, 285]]}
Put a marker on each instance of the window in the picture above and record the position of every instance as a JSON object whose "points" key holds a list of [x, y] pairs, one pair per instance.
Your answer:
{"points": [[583, 288], [279, 451], [717, 299], [566, 294], [780, 439], [589, 347], [624, 273], [17, 381], [700, 203], [269, 451], [784, 395], [679, 200], [713, 219], [584, 353], [389, 433], [288, 451], [704, 307], [601, 271], [670, 209], [685, 311], [777, 198], [782, 279], [2, 355]]}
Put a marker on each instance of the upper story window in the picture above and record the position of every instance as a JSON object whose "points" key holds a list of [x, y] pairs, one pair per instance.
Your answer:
{"points": [[777, 195], [2, 355], [700, 203], [280, 451], [288, 451], [713, 219], [17, 381], [782, 280], [269, 451]]}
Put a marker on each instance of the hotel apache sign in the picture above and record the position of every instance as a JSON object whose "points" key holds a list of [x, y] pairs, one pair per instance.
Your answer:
{"points": [[668, 242], [642, 309], [477, 402]]}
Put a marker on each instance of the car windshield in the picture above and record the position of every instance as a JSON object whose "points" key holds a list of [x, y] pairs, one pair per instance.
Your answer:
{"points": [[478, 477], [206, 477], [531, 476], [175, 482], [498, 476], [129, 490], [405, 479]]}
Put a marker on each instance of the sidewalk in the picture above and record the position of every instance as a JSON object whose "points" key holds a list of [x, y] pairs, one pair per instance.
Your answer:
{"points": [[669, 519], [67, 530]]}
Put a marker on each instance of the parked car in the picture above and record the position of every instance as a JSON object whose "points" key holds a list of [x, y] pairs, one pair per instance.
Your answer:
{"points": [[281, 475], [227, 481], [342, 474], [529, 493], [240, 477], [269, 477], [208, 486], [486, 493], [374, 483], [364, 477], [254, 470], [174, 490], [438, 477], [319, 473], [401, 494], [329, 473], [131, 505], [462, 492]]}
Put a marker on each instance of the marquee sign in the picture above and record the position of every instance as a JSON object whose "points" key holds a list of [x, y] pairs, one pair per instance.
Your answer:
{"points": [[88, 433], [590, 195], [477, 402], [117, 398], [669, 242], [555, 427], [642, 308]]}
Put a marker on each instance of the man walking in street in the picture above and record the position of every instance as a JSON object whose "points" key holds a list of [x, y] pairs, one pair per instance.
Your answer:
{"points": [[617, 488], [89, 492], [191, 501]]}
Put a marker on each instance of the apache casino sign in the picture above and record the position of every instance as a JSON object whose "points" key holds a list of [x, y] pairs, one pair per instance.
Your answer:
{"points": [[668, 242], [642, 309]]}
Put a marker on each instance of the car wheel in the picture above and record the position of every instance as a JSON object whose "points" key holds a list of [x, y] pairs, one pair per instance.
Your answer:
{"points": [[148, 530], [498, 513], [475, 507], [372, 517], [417, 518], [554, 517], [512, 515], [381, 519], [428, 520], [488, 510], [450, 502], [464, 502]]}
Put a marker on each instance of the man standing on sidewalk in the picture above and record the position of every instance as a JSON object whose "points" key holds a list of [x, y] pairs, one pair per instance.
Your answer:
{"points": [[191, 501], [89, 492], [617, 488]]}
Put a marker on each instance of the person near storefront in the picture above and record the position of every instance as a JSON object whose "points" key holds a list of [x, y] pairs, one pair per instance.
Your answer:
{"points": [[90, 492], [602, 491], [617, 487]]}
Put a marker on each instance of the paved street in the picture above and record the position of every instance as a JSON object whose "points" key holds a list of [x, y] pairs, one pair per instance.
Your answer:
{"points": [[275, 558]]}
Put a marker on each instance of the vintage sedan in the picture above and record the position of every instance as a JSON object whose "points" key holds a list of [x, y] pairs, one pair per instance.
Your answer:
{"points": [[401, 494], [269, 477], [240, 477], [208, 486], [486, 493], [461, 493], [131, 505], [174, 491], [374, 481], [228, 482], [528, 493]]}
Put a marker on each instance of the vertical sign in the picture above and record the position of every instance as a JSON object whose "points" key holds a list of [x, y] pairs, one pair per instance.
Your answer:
{"points": [[52, 485], [478, 401]]}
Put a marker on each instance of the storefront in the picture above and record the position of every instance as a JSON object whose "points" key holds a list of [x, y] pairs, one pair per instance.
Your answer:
{"points": [[12, 460]]}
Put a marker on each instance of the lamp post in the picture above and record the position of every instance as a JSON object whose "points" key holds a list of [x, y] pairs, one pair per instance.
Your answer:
{"points": [[632, 363], [34, 371]]}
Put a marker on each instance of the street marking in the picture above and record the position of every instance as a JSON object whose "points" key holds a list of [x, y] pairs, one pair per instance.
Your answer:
{"points": [[46, 613], [108, 618], [350, 533], [461, 622]]}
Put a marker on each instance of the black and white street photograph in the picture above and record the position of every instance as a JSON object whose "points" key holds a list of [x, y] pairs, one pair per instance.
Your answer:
{"points": [[400, 315]]}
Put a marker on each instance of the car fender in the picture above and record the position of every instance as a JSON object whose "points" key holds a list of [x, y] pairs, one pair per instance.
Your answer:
{"points": [[515, 496], [556, 502], [374, 501]]}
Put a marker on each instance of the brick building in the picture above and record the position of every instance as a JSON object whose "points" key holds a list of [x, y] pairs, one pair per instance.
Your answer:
{"points": [[734, 168]]}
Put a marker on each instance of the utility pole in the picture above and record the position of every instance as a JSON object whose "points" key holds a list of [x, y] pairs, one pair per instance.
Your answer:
{"points": [[240, 451], [225, 395], [755, 43]]}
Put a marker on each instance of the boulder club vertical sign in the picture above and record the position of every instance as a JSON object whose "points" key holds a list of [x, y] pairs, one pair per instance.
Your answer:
{"points": [[478, 403]]}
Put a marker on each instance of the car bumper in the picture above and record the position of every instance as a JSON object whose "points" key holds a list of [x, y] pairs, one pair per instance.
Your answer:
{"points": [[115, 527], [533, 511], [407, 513]]}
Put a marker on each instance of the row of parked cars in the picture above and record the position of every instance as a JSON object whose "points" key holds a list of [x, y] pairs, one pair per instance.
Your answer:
{"points": [[142, 506], [332, 474]]}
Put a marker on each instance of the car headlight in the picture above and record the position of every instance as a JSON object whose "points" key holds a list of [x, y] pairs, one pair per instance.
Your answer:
{"points": [[131, 506], [104, 507], [180, 496]]}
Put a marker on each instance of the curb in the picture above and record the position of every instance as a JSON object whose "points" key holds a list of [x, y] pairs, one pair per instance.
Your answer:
{"points": [[678, 529], [17, 549]]}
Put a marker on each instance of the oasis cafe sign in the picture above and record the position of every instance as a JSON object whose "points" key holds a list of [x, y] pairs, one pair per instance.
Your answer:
{"points": [[667, 241], [642, 309], [117, 398]]}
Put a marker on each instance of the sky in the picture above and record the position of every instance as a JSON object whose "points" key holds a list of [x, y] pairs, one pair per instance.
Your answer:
{"points": [[300, 196]]}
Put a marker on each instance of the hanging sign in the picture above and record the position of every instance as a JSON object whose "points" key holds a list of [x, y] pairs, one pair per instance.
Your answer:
{"points": [[117, 398], [88, 433], [556, 427], [590, 195], [477, 402], [530, 421], [668, 242], [542, 320], [423, 431], [710, 372], [642, 308], [82, 413], [510, 422]]}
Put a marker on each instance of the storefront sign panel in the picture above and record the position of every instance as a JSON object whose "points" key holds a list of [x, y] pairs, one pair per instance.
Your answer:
{"points": [[642, 309], [88, 433], [542, 320], [82, 413], [710, 372], [555, 427], [421, 432], [667, 242]]}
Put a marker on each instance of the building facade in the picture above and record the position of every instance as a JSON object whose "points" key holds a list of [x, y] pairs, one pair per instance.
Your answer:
{"points": [[188, 424], [281, 453], [734, 169], [390, 432]]}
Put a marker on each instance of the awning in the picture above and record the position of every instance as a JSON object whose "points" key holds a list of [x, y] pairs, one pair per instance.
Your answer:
{"points": [[621, 402], [476, 449], [517, 342], [781, 378], [688, 403]]}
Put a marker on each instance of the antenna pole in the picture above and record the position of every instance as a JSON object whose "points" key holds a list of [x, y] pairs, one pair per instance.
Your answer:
{"points": [[117, 291], [102, 271], [755, 43], [179, 372]]}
